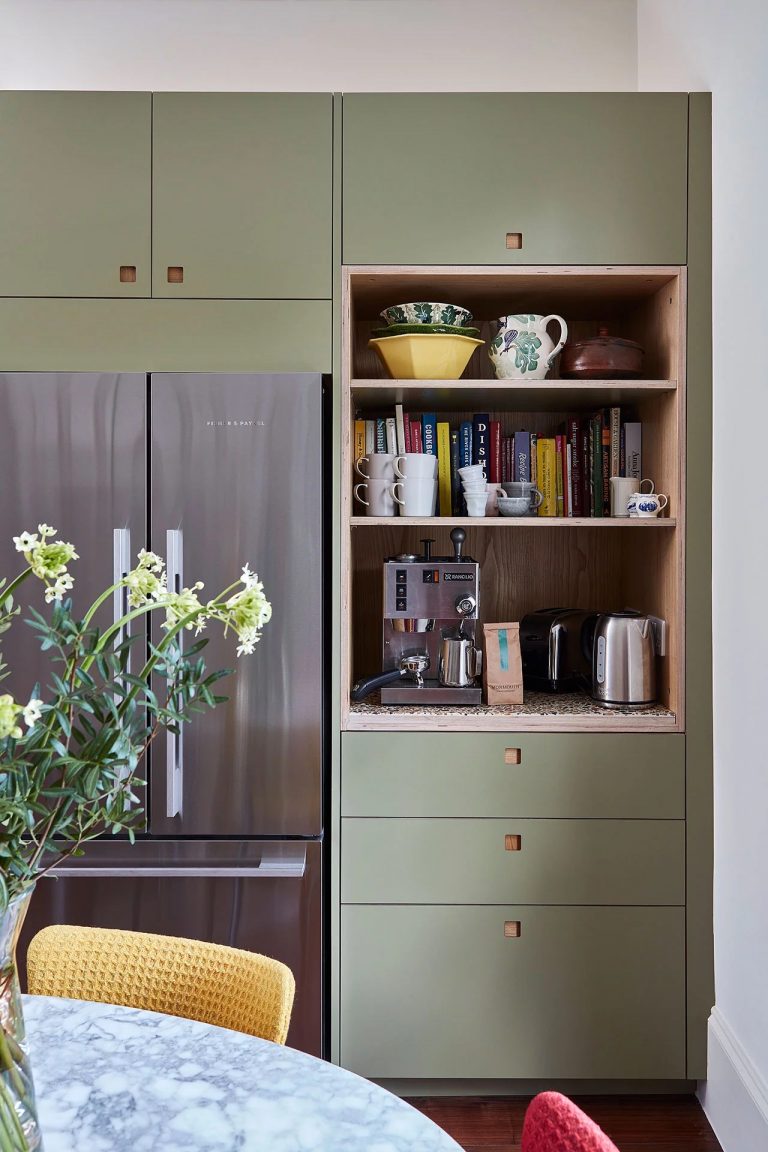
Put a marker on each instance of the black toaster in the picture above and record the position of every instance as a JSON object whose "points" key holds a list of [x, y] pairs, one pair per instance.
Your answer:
{"points": [[554, 657]]}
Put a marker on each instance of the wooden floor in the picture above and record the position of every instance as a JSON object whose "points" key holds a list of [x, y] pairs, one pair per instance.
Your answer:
{"points": [[634, 1123]]}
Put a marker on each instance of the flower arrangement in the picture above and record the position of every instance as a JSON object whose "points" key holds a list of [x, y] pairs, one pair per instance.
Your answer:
{"points": [[70, 755]]}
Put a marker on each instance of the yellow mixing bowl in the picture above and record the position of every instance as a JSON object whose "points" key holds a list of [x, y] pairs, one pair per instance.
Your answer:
{"points": [[431, 356]]}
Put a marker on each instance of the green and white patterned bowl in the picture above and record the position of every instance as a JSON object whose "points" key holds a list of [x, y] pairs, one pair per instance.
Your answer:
{"points": [[423, 312], [424, 330]]}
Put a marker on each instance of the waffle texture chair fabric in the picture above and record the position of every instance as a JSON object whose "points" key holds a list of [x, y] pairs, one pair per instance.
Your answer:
{"points": [[553, 1123], [190, 978]]}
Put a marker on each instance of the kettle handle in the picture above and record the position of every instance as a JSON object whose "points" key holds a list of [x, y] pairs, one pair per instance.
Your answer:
{"points": [[588, 636], [563, 334]]}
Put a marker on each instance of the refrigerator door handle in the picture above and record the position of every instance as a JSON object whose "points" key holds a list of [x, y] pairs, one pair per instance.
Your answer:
{"points": [[121, 566], [174, 741], [293, 868]]}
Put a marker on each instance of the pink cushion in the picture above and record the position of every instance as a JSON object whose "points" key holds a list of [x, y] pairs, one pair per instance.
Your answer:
{"points": [[553, 1123]]}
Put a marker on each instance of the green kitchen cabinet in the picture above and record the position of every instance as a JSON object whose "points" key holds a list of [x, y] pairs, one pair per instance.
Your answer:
{"points": [[578, 178], [242, 195], [509, 991], [75, 193]]}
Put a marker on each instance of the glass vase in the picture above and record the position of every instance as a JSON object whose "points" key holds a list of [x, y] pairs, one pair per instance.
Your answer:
{"points": [[19, 1128]]}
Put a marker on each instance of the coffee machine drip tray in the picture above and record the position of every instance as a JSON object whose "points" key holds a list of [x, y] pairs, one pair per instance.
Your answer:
{"points": [[430, 693]]}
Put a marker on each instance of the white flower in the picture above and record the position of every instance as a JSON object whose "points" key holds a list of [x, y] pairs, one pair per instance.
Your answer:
{"points": [[46, 530], [246, 612], [32, 712], [151, 561], [56, 591], [26, 542], [250, 579], [178, 605]]}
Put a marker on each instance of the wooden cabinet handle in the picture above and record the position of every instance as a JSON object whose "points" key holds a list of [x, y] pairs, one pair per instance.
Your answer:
{"points": [[514, 239], [512, 929], [512, 756], [175, 274], [513, 843], [127, 273]]}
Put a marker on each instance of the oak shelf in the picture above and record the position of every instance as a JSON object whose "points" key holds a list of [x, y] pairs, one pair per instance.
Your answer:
{"points": [[537, 396], [512, 522]]}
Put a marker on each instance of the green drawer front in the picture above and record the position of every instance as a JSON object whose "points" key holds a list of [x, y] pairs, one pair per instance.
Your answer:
{"points": [[75, 193], [587, 178], [242, 194], [165, 335], [474, 862], [433, 992], [559, 775]]}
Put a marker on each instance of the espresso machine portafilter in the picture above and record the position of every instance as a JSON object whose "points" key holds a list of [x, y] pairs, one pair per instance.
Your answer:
{"points": [[430, 612]]}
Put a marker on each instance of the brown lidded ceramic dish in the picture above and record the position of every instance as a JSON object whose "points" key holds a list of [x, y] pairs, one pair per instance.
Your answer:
{"points": [[602, 357]]}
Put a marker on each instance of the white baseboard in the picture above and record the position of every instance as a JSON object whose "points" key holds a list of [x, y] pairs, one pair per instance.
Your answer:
{"points": [[734, 1095]]}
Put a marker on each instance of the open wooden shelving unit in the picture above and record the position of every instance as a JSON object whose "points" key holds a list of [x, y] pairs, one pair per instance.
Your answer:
{"points": [[601, 564]]}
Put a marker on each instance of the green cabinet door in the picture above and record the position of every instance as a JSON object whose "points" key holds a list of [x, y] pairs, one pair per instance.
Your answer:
{"points": [[585, 178], [439, 992], [75, 193], [242, 195]]}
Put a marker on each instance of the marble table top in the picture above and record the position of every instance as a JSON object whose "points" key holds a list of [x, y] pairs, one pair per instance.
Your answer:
{"points": [[112, 1079]]}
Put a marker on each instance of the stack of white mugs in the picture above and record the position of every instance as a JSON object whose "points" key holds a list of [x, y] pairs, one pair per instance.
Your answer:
{"points": [[407, 482]]}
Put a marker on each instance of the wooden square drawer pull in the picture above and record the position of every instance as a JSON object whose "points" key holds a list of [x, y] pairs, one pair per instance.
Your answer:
{"points": [[512, 756], [175, 274], [513, 843], [127, 273], [512, 929], [514, 239]]}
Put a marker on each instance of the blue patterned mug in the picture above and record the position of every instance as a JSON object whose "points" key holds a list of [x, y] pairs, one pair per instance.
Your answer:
{"points": [[522, 349], [644, 505]]}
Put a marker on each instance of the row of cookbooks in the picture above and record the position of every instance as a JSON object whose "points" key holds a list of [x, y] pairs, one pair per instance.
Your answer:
{"points": [[571, 469]]}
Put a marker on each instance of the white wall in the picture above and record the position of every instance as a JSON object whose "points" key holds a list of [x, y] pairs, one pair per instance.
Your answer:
{"points": [[319, 45], [703, 44]]}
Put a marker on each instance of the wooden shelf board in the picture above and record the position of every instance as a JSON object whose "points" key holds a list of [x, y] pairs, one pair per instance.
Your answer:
{"points": [[502, 522], [536, 396]]}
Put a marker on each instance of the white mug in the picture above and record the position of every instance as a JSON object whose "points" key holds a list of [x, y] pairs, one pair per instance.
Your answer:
{"points": [[417, 496], [648, 504], [416, 466], [476, 503], [637, 491], [472, 472], [381, 466], [622, 488], [379, 493]]}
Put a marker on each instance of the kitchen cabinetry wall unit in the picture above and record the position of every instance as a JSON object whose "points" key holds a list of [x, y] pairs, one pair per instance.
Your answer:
{"points": [[75, 193], [242, 195], [515, 178]]}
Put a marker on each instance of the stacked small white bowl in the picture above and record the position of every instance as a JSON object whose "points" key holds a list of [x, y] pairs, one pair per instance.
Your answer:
{"points": [[475, 487]]}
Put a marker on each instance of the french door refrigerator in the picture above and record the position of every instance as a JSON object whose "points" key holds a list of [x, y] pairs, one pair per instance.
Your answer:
{"points": [[212, 472]]}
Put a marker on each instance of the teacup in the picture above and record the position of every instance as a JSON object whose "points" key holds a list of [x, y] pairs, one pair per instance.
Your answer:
{"points": [[475, 487], [476, 503], [472, 472], [524, 488], [416, 466], [514, 505], [647, 504], [378, 466], [379, 500], [417, 496]]}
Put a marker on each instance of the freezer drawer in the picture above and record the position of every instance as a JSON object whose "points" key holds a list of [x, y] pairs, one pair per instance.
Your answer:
{"points": [[263, 896]]}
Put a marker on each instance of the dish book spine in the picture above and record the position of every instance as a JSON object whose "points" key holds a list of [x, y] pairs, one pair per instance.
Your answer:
{"points": [[546, 470], [391, 435], [606, 461], [465, 444], [633, 435], [381, 434], [480, 437], [575, 504], [359, 445], [455, 478], [560, 475], [399, 429], [416, 436], [522, 453], [444, 467], [615, 441], [370, 437], [494, 454], [429, 433]]}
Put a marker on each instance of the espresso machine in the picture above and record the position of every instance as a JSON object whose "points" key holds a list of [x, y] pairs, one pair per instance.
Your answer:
{"points": [[428, 636]]}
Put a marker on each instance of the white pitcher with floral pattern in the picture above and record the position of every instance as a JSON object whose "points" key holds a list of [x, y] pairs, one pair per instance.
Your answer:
{"points": [[523, 349]]}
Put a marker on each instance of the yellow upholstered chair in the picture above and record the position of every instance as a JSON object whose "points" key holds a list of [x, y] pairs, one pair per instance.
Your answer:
{"points": [[190, 978]]}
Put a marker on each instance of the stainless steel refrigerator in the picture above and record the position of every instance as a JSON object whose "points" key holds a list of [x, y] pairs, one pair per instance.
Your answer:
{"points": [[212, 472]]}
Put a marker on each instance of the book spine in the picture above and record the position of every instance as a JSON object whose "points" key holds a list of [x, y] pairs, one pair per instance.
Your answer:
{"points": [[407, 431], [615, 441], [429, 433], [465, 444], [546, 470], [370, 437], [480, 440], [416, 436], [596, 442], [623, 452], [605, 460], [391, 435], [381, 434], [560, 475], [455, 478], [444, 467], [494, 453], [359, 445], [585, 452], [569, 480], [399, 430], [535, 460], [522, 462], [633, 434], [577, 483]]}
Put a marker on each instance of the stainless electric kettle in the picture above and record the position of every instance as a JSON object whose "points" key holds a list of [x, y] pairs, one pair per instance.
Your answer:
{"points": [[623, 653]]}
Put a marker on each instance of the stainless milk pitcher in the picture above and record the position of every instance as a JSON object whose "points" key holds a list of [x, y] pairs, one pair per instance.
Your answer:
{"points": [[460, 662]]}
